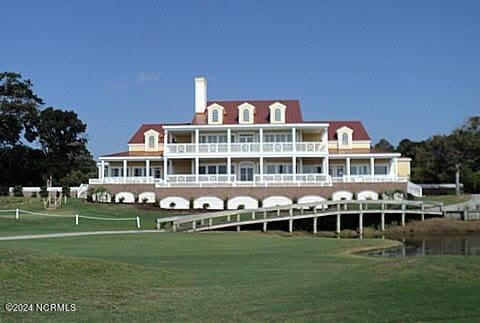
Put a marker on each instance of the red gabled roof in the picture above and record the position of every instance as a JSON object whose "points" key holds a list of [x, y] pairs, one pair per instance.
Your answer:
{"points": [[139, 138], [293, 114], [359, 132]]}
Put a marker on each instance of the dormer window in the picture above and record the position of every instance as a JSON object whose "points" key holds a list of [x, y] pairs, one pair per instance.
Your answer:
{"points": [[278, 115], [215, 114], [277, 112], [344, 137], [246, 113], [151, 140]]}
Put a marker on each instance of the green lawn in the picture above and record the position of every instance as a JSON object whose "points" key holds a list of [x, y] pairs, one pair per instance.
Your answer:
{"points": [[446, 199], [233, 276], [40, 224]]}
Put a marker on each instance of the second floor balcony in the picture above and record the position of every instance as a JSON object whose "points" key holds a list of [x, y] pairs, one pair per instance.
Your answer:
{"points": [[185, 149]]}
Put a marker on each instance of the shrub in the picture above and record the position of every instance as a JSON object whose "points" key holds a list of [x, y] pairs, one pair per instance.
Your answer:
{"points": [[206, 206], [43, 192], [34, 194], [4, 191], [172, 205], [18, 191], [144, 200], [241, 207], [121, 199]]}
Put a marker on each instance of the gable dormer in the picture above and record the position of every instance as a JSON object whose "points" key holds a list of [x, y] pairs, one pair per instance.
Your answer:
{"points": [[246, 113], [151, 140], [344, 137], [215, 113], [277, 112]]}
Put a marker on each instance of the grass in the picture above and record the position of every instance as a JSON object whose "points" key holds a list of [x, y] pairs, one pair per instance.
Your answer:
{"points": [[220, 276], [232, 277], [29, 224], [446, 199]]}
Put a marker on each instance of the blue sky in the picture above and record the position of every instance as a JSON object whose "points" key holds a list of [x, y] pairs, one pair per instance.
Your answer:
{"points": [[405, 68]]}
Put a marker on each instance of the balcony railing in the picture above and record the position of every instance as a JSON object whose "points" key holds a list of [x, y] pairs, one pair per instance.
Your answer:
{"points": [[290, 178], [247, 147], [368, 178], [125, 180]]}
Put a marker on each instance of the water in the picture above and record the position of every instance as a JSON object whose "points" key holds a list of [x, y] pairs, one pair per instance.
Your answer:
{"points": [[438, 245]]}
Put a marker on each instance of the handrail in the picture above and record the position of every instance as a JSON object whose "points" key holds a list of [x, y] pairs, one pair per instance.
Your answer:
{"points": [[322, 204]]}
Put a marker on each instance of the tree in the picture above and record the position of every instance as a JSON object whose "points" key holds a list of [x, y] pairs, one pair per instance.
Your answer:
{"points": [[63, 141], [18, 109], [384, 145]]}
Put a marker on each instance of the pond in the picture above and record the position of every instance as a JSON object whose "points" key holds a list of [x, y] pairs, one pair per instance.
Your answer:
{"points": [[464, 245]]}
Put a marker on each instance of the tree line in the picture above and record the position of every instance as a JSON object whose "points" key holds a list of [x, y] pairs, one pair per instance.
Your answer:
{"points": [[37, 143], [435, 160]]}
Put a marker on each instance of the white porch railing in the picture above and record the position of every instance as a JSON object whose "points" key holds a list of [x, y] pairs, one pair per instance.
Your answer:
{"points": [[288, 178], [125, 180], [246, 147], [368, 178], [194, 179], [311, 147]]}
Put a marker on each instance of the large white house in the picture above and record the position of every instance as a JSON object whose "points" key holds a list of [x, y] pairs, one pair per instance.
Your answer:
{"points": [[252, 148]]}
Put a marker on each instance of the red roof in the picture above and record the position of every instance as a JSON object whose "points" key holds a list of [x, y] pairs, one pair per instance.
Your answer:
{"points": [[359, 132], [139, 138], [293, 114]]}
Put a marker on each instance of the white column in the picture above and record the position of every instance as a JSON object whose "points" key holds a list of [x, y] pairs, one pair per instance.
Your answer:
{"points": [[325, 165], [347, 171], [393, 167], [229, 167], [294, 167], [99, 171], [261, 141], [125, 171], [197, 139], [300, 165], [102, 169], [147, 169], [197, 168], [165, 159], [229, 140], [294, 139], [372, 167], [261, 169]]}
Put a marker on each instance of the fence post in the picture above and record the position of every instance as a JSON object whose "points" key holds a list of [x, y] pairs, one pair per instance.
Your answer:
{"points": [[76, 219], [138, 222], [360, 221], [315, 225], [423, 212], [403, 214], [383, 217], [17, 215]]}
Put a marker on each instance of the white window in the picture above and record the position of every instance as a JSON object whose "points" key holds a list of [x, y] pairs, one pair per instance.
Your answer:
{"points": [[151, 142], [279, 169], [246, 115], [277, 112], [359, 170], [345, 139], [312, 169], [381, 170], [278, 115], [215, 115], [138, 172]]}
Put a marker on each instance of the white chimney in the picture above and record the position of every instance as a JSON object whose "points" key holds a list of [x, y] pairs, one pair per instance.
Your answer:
{"points": [[200, 94]]}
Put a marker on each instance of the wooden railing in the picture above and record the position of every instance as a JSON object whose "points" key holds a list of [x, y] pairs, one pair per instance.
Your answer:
{"points": [[237, 218]]}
